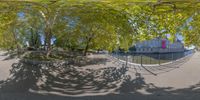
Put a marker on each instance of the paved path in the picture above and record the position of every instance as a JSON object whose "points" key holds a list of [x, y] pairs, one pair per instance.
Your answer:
{"points": [[186, 75], [5, 65], [182, 83]]}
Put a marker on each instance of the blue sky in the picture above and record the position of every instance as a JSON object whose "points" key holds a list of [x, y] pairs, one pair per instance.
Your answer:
{"points": [[21, 15]]}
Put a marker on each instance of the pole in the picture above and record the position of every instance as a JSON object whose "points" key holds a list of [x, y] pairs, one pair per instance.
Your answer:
{"points": [[150, 58], [133, 58], [141, 59], [126, 59], [159, 57]]}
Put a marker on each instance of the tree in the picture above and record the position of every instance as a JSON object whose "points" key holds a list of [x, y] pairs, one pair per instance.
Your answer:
{"points": [[94, 26]]}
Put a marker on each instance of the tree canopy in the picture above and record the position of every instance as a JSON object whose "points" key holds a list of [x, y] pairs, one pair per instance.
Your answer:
{"points": [[96, 24]]}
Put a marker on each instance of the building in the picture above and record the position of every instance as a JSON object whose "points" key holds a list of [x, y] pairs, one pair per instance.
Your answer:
{"points": [[158, 45]]}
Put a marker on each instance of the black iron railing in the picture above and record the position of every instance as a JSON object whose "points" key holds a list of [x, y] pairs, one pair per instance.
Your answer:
{"points": [[152, 63], [151, 58]]}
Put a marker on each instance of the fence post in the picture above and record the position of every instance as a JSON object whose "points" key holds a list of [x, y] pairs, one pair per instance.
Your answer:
{"points": [[159, 57], [133, 58], [141, 60], [126, 59], [150, 58]]}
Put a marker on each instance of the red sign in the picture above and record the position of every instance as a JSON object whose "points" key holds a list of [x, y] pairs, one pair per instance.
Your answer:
{"points": [[163, 44]]}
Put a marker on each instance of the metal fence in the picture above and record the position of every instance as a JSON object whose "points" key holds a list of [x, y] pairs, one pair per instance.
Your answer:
{"points": [[151, 58]]}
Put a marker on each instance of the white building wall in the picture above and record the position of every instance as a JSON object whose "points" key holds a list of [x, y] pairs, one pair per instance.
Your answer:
{"points": [[155, 45]]}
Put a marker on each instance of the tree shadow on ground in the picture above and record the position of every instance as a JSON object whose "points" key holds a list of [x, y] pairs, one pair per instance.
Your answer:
{"points": [[9, 55], [66, 82], [89, 61], [65, 79]]}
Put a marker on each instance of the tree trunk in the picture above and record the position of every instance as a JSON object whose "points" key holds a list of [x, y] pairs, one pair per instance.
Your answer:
{"points": [[86, 49], [48, 48], [87, 46], [17, 45], [48, 42]]}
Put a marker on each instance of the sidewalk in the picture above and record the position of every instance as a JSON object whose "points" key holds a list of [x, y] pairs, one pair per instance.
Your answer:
{"points": [[186, 75], [5, 66], [182, 83]]}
